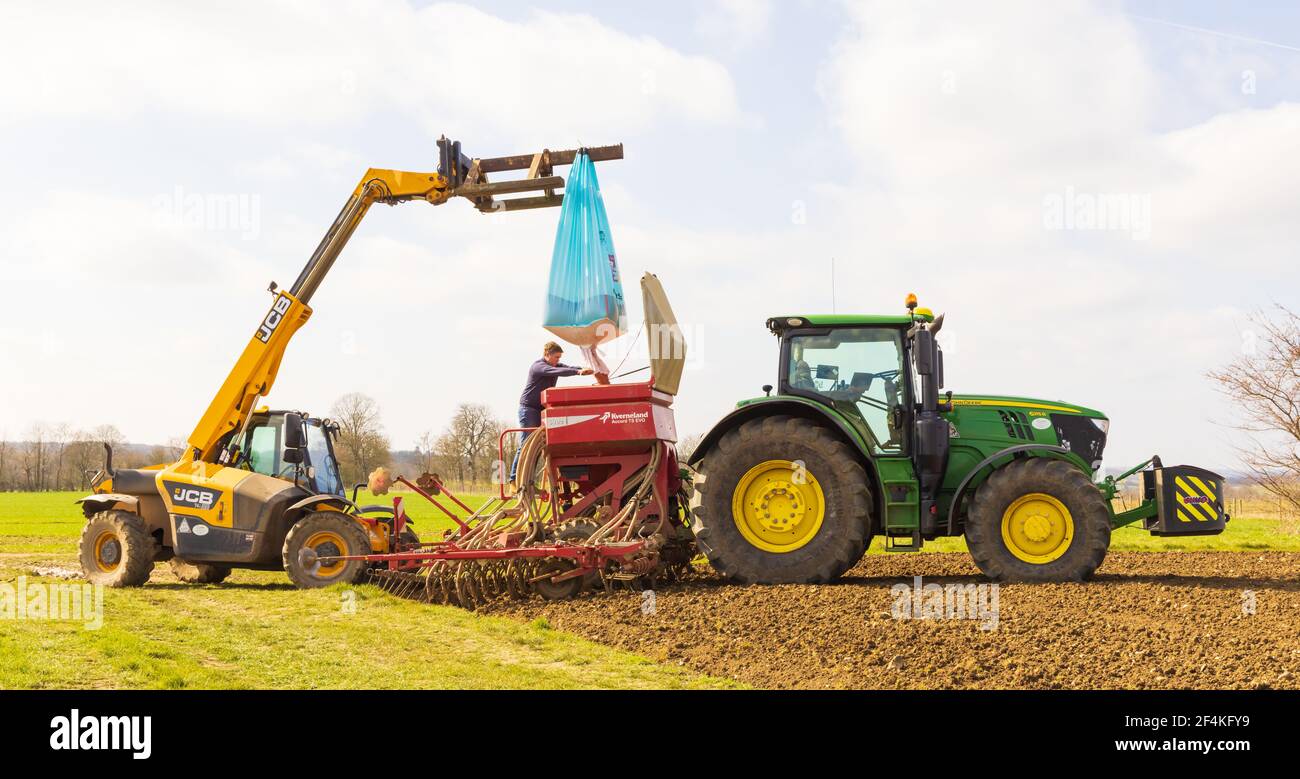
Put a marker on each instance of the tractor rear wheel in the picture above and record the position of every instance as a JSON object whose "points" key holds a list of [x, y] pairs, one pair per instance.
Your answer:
{"points": [[781, 500], [1038, 520], [325, 534], [116, 550], [198, 573]]}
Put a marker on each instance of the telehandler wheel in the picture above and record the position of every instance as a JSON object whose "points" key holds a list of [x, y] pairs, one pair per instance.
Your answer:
{"points": [[781, 500], [1038, 520], [325, 534], [198, 573], [116, 550]]}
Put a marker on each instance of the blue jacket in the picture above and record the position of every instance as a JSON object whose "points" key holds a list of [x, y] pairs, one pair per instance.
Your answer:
{"points": [[543, 376]]}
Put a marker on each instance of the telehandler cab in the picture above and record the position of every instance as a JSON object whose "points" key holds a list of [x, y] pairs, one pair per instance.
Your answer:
{"points": [[257, 488]]}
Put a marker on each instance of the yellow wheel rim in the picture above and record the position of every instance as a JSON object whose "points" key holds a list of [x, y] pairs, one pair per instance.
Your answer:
{"points": [[1037, 528], [108, 551], [777, 506], [327, 543]]}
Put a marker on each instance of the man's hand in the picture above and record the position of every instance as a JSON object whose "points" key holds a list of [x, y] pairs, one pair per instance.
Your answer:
{"points": [[585, 372]]}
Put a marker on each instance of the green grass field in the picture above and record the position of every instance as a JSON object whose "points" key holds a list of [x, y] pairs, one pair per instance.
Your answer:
{"points": [[257, 631], [50, 522]]}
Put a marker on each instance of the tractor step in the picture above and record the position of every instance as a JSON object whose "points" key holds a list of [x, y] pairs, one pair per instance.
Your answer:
{"points": [[895, 544], [901, 503]]}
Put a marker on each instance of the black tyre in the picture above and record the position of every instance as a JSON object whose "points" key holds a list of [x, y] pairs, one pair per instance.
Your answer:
{"points": [[1038, 520], [198, 573], [325, 534], [761, 518], [116, 550]]}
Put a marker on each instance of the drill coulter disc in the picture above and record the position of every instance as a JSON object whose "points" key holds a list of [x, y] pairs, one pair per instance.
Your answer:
{"points": [[516, 576], [437, 584], [500, 578], [485, 577], [467, 591]]}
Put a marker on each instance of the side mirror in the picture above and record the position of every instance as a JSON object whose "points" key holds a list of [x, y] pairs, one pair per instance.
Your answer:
{"points": [[293, 432], [294, 439], [923, 352]]}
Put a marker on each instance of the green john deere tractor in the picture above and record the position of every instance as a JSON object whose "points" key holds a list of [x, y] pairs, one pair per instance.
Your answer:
{"points": [[857, 442]]}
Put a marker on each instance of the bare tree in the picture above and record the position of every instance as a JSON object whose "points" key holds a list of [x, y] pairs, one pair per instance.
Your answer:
{"points": [[470, 442], [4, 463], [85, 455], [687, 446], [167, 453], [1264, 385], [108, 434], [33, 457], [60, 437], [362, 445], [426, 452]]}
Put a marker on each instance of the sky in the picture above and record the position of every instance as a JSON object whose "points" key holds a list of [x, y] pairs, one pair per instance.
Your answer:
{"points": [[1098, 196]]}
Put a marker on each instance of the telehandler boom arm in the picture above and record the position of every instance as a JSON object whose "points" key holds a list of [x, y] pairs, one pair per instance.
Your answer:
{"points": [[458, 176]]}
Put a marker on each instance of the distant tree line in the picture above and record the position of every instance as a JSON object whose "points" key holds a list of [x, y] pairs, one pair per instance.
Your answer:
{"points": [[463, 454], [60, 457]]}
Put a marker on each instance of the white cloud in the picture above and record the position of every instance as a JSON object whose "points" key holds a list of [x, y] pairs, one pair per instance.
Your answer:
{"points": [[961, 120], [448, 65], [734, 24]]}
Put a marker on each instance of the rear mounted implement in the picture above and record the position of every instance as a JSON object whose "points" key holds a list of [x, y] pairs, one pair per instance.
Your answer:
{"points": [[597, 499]]}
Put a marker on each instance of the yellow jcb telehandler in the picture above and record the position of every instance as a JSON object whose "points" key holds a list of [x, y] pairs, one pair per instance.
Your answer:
{"points": [[255, 487]]}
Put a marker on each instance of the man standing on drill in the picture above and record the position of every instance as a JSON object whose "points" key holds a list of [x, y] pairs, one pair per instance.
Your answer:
{"points": [[542, 375]]}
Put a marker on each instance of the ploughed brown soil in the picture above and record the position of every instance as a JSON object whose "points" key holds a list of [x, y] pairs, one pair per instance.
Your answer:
{"points": [[1147, 620]]}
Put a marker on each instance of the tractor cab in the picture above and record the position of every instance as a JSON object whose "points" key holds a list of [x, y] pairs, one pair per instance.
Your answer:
{"points": [[291, 446], [882, 375]]}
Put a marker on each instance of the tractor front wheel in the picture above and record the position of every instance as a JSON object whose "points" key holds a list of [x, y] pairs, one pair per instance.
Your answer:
{"points": [[325, 534], [781, 500], [1038, 520], [116, 550]]}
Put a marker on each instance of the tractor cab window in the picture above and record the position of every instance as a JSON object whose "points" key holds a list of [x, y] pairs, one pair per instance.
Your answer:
{"points": [[320, 455], [859, 372], [263, 449]]}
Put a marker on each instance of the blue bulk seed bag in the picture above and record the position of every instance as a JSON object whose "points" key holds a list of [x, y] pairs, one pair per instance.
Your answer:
{"points": [[584, 301]]}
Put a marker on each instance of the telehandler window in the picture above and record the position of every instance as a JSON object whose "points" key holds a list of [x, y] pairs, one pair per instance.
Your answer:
{"points": [[856, 369], [320, 455], [264, 450]]}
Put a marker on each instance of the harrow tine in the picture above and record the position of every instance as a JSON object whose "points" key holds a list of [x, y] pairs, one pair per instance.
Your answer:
{"points": [[402, 584], [466, 592]]}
